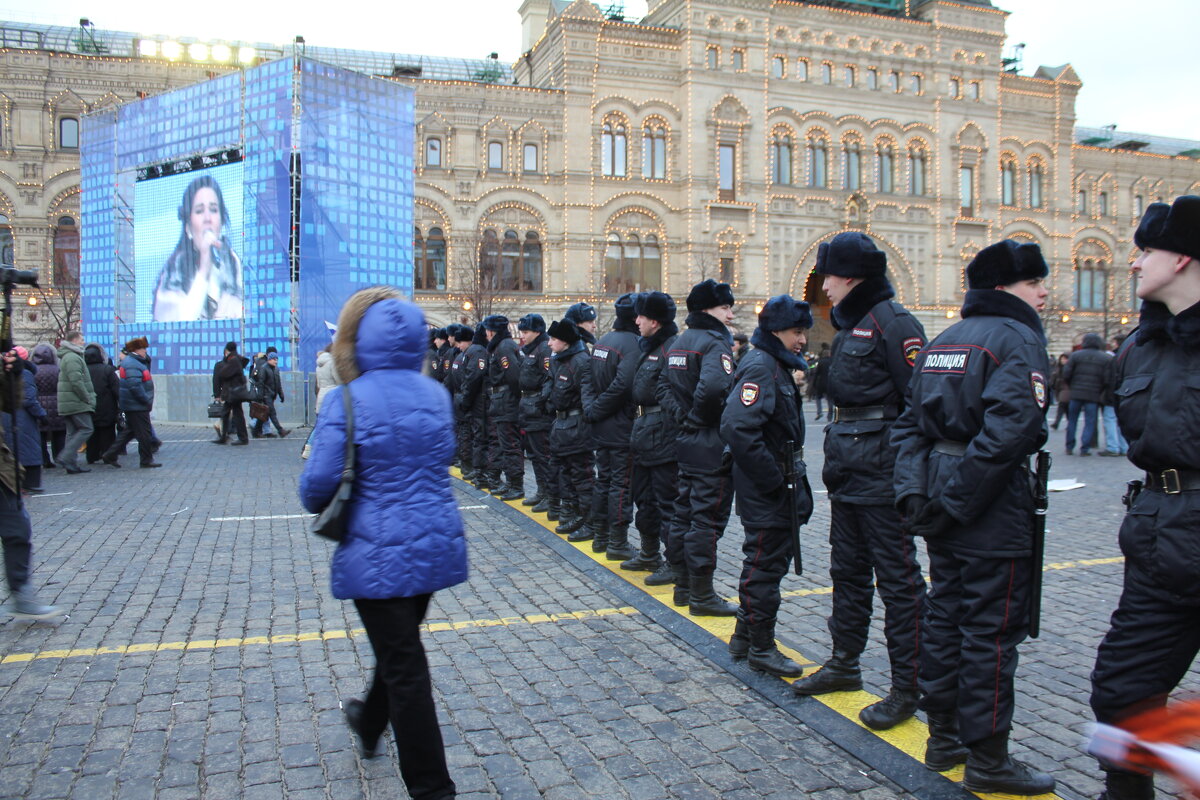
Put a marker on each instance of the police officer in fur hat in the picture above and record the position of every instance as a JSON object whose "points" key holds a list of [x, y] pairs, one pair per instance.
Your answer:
{"points": [[471, 401], [607, 405], [503, 384], [1152, 641], [763, 425], [460, 337], [654, 483], [976, 413], [570, 434], [868, 371], [583, 317], [534, 417], [699, 373]]}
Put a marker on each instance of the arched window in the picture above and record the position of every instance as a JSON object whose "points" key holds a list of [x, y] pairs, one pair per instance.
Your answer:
{"points": [[781, 161], [510, 264], [849, 76], [1008, 183], [654, 151], [495, 155], [66, 252], [631, 265], [917, 84], [435, 259], [739, 59], [802, 70], [510, 258], [885, 167], [7, 251], [727, 172], [872, 79], [1081, 201], [818, 163], [418, 259], [1103, 202], [713, 57], [851, 166], [966, 191], [613, 149], [612, 264], [778, 67], [1139, 205], [917, 171], [651, 273], [531, 263], [827, 73], [68, 133], [1091, 285], [531, 158], [489, 260], [894, 81], [976, 90], [433, 152], [1035, 184], [955, 88]]}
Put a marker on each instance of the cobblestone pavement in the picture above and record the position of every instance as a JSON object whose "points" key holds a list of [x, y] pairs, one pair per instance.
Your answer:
{"points": [[204, 657]]}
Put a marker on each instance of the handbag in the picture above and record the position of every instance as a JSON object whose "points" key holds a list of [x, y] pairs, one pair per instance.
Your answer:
{"points": [[246, 392], [259, 411], [216, 409], [331, 522]]}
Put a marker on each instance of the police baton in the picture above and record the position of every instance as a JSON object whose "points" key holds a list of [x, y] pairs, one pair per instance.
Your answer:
{"points": [[791, 480], [1041, 501]]}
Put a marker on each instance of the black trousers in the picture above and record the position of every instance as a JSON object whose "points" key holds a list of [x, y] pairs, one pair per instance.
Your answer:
{"points": [[233, 413], [479, 440], [505, 453], [462, 427], [52, 441], [654, 489], [868, 550], [766, 554], [137, 426], [702, 509], [537, 444], [577, 479], [16, 534], [975, 616], [271, 415], [612, 502], [402, 693], [102, 439]]}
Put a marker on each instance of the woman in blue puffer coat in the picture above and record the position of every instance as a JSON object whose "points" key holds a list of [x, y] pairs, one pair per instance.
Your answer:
{"points": [[404, 536]]}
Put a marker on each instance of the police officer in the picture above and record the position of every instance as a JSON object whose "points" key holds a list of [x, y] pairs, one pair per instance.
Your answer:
{"points": [[433, 361], [1154, 637], [868, 372], [976, 414], [699, 373], [446, 353], [608, 406], [763, 425], [583, 317], [654, 482], [471, 400], [535, 418], [570, 434], [504, 449], [460, 339]]}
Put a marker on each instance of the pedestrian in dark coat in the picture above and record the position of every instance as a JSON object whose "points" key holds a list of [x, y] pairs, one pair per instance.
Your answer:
{"points": [[1087, 375], [229, 376], [107, 387], [534, 418], [271, 390], [503, 396], [570, 434], [975, 415], [1152, 642], [460, 338], [763, 425], [471, 401], [29, 440], [135, 399], [52, 426]]}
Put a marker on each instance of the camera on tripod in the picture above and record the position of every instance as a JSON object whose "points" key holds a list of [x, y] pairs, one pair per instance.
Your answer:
{"points": [[17, 277]]}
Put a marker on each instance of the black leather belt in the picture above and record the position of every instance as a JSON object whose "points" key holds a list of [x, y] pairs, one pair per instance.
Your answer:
{"points": [[574, 412], [644, 410], [857, 413], [530, 394], [1173, 481], [496, 389], [949, 448]]}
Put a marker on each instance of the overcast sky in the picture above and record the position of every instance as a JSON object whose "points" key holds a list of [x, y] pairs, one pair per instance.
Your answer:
{"points": [[1138, 62]]}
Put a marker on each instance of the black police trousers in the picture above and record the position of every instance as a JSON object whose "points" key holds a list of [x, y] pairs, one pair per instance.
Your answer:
{"points": [[612, 502], [868, 550], [462, 429], [537, 445], [653, 489], [702, 509], [576, 479], [505, 453], [976, 614], [16, 534], [479, 440], [766, 552]]}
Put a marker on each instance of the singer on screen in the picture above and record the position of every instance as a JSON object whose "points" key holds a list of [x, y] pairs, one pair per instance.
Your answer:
{"points": [[203, 277]]}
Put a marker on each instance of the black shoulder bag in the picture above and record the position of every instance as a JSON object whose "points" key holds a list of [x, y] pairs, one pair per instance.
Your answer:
{"points": [[331, 523]]}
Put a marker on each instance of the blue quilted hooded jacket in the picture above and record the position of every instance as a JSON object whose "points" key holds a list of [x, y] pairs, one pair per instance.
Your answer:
{"points": [[405, 535]]}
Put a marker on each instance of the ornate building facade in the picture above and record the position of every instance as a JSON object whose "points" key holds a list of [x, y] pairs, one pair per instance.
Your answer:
{"points": [[721, 139]]}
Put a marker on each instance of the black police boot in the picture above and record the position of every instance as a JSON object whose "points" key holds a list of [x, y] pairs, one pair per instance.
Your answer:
{"points": [[587, 528], [1127, 786], [899, 705], [663, 576], [839, 674], [571, 519], [683, 589], [991, 769], [739, 643], [554, 509], [468, 474], [647, 559], [618, 545], [703, 600], [943, 749], [533, 501], [512, 492], [765, 656], [599, 535], [495, 485], [542, 506]]}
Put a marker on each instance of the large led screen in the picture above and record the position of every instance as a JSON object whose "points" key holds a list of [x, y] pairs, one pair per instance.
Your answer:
{"points": [[187, 240]]}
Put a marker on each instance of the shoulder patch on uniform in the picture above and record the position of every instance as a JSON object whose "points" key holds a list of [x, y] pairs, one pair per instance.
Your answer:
{"points": [[749, 394], [1038, 381], [503, 362], [911, 348], [727, 363], [863, 333], [947, 359], [546, 363], [482, 364]]}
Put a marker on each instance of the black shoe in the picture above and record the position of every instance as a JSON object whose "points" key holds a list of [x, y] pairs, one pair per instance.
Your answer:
{"points": [[220, 441], [943, 749], [1127, 786], [240, 443], [256, 434], [112, 462], [532, 501], [703, 600], [354, 714], [75, 470], [283, 434], [899, 705], [839, 674], [150, 465], [542, 506], [555, 512], [618, 548], [663, 576], [991, 769], [570, 523], [512, 494], [1110, 454], [683, 591], [597, 532], [739, 642], [642, 562]]}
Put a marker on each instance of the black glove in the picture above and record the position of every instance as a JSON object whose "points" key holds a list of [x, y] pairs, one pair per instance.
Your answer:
{"points": [[932, 521], [910, 507]]}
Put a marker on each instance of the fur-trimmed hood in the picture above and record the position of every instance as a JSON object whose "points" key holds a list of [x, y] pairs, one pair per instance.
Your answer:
{"points": [[859, 300], [378, 329]]}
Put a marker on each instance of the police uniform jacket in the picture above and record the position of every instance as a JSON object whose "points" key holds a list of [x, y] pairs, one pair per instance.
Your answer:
{"points": [[433, 364], [470, 397], [980, 385], [607, 392], [569, 433], [869, 367], [446, 355], [454, 372], [534, 382], [698, 375], [655, 430], [504, 368], [762, 414], [1158, 408]]}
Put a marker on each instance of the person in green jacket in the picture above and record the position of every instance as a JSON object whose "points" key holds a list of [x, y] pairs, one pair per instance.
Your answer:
{"points": [[76, 401]]}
